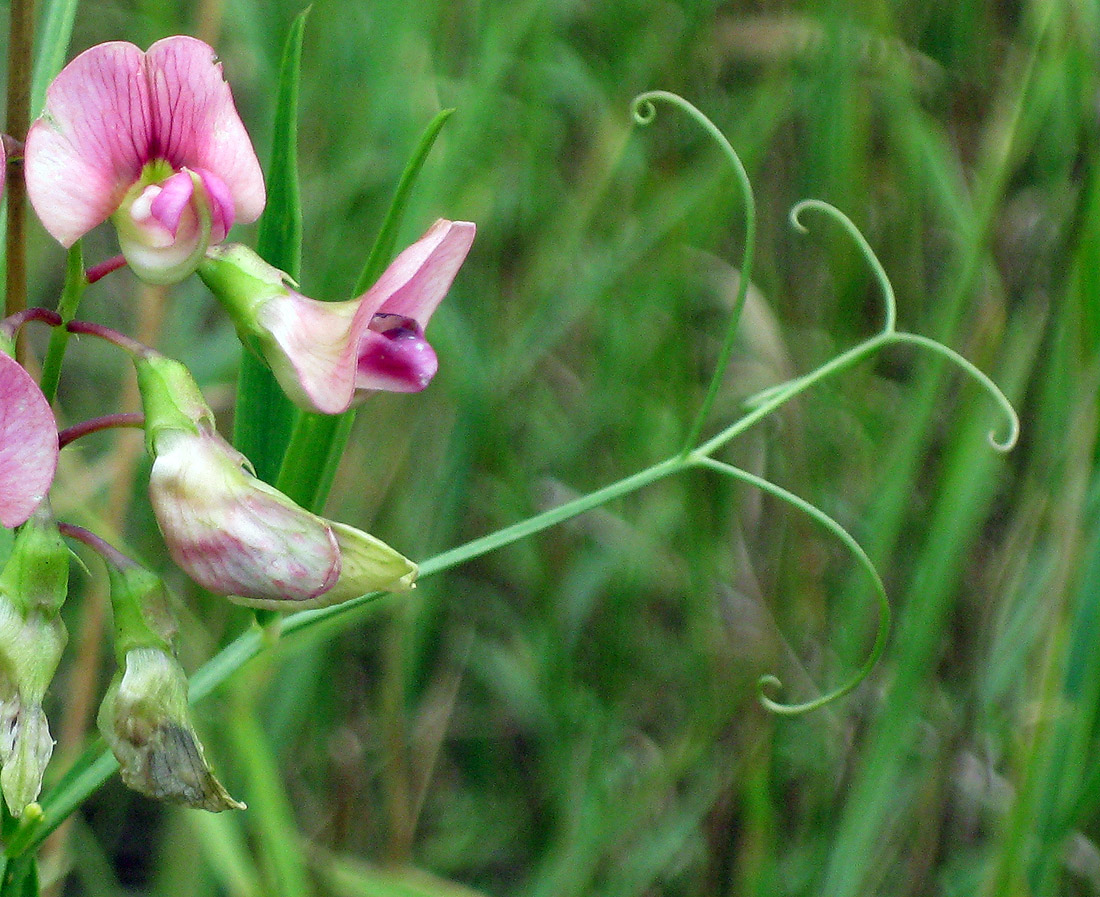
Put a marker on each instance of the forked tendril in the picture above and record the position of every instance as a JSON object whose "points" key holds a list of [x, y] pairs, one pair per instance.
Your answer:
{"points": [[644, 111], [771, 682], [890, 333]]}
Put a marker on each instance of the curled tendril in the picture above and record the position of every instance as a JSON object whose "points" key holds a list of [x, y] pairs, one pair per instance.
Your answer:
{"points": [[883, 279], [644, 110], [890, 333], [770, 682], [1002, 445]]}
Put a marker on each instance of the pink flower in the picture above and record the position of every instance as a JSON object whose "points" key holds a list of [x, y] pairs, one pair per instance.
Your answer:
{"points": [[28, 443], [326, 355], [153, 141]]}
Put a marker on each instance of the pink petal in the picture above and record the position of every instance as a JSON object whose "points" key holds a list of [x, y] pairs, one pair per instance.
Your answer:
{"points": [[28, 444], [417, 280], [314, 346], [196, 125], [174, 196], [221, 205], [232, 533], [91, 142], [395, 358]]}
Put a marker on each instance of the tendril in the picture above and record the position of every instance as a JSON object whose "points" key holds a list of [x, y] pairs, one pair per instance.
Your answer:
{"points": [[769, 682], [644, 110], [1001, 445], [864, 247]]}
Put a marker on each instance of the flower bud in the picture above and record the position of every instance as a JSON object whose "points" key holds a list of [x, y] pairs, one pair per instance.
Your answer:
{"points": [[234, 534], [144, 718], [32, 588]]}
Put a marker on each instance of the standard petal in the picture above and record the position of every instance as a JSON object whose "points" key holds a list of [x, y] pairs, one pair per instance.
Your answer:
{"points": [[195, 124], [367, 565], [417, 280], [28, 444], [90, 143]]}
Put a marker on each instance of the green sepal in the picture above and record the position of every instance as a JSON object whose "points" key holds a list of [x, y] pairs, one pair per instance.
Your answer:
{"points": [[170, 398], [139, 605], [36, 575]]}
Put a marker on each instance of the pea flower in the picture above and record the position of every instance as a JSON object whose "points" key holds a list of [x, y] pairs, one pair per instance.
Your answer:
{"points": [[151, 140], [28, 442], [233, 533], [327, 355]]}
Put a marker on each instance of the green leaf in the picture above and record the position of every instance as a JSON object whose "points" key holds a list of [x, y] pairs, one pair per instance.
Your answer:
{"points": [[19, 877], [383, 250], [264, 416], [54, 34], [318, 440]]}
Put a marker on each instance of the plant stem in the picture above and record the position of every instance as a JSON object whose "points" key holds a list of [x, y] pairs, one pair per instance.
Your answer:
{"points": [[21, 37]]}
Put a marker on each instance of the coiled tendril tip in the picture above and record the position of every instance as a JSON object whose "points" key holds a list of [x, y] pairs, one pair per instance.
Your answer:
{"points": [[1007, 444], [765, 684], [643, 110]]}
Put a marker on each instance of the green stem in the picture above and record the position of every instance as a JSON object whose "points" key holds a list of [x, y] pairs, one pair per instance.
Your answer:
{"points": [[75, 282]]}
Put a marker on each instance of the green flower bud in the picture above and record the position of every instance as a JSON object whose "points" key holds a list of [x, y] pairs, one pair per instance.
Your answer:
{"points": [[32, 588]]}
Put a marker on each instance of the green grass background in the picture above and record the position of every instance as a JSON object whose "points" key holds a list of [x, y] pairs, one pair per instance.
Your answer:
{"points": [[576, 715]]}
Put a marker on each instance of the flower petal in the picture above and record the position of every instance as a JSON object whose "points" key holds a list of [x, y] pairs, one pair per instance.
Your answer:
{"points": [[28, 444], [232, 533], [195, 124], [311, 348], [395, 358], [90, 143], [367, 564], [417, 280], [221, 204]]}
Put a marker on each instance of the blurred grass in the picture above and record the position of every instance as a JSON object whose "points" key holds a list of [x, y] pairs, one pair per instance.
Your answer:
{"points": [[575, 715]]}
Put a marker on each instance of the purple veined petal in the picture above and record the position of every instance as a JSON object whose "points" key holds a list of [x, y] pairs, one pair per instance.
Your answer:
{"points": [[417, 280], [91, 142], [195, 123], [28, 444], [394, 356]]}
